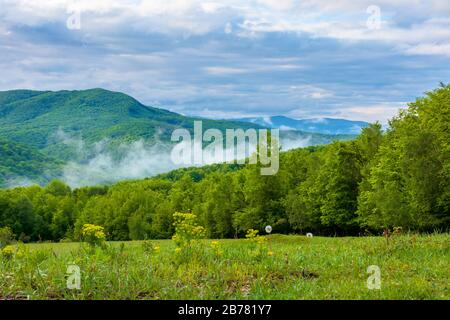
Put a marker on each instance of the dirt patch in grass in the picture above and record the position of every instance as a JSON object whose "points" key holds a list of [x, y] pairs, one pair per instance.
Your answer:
{"points": [[243, 286], [292, 275]]}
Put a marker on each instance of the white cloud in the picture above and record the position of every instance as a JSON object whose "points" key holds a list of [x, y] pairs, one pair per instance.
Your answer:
{"points": [[430, 49], [278, 4], [228, 28], [319, 95], [268, 120], [311, 92], [225, 70], [230, 58], [251, 68], [371, 113], [428, 23], [217, 114], [212, 7], [381, 112], [286, 128]]}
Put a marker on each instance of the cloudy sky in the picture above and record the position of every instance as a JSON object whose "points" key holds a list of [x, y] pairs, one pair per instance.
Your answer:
{"points": [[309, 58]]}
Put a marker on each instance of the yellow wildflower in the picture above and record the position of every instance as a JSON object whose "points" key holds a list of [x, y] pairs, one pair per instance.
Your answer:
{"points": [[8, 252], [214, 244], [92, 234]]}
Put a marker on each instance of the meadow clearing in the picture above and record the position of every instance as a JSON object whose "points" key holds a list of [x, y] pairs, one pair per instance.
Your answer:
{"points": [[269, 267]]}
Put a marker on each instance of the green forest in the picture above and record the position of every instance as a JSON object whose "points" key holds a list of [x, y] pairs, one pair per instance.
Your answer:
{"points": [[20, 160], [398, 177]]}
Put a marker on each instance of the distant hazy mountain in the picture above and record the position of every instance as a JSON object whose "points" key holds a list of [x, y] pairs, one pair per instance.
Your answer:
{"points": [[318, 125], [99, 133]]}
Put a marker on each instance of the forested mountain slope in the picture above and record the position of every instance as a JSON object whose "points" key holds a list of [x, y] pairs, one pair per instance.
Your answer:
{"points": [[20, 163], [71, 126]]}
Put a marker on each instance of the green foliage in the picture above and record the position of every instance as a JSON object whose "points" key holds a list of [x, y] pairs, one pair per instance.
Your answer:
{"points": [[408, 181], [338, 184], [20, 163], [6, 236], [397, 178]]}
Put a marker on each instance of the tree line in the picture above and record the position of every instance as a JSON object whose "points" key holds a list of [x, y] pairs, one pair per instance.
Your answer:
{"points": [[398, 177]]}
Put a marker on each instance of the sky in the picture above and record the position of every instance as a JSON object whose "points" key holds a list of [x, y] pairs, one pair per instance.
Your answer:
{"points": [[360, 60]]}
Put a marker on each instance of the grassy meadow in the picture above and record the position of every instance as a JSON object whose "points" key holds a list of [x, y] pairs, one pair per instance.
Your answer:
{"points": [[275, 267]]}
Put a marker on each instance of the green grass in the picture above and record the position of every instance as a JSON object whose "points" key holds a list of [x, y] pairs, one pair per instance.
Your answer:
{"points": [[412, 267]]}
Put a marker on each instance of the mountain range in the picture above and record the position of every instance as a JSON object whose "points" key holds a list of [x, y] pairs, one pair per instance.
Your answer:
{"points": [[317, 125], [41, 132]]}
